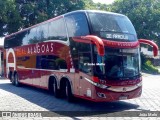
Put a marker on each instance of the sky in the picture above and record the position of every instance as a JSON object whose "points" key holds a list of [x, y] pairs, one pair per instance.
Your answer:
{"points": [[104, 1]]}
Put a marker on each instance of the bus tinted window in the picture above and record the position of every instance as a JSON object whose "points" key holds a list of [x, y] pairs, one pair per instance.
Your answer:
{"points": [[16, 40], [84, 57], [39, 34], [112, 26], [77, 25], [51, 62], [25, 38], [57, 30], [9, 42], [42, 32], [19, 38], [32, 36], [26, 61]]}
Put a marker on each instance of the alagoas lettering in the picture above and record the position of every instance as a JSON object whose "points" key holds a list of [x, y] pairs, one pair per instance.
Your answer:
{"points": [[28, 51], [40, 48], [35, 50], [43, 48], [47, 48], [51, 47], [31, 50]]}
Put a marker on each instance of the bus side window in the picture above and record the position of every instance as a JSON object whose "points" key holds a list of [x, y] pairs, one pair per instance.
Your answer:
{"points": [[20, 37], [77, 25], [85, 62], [42, 32], [52, 62], [14, 41], [57, 30], [32, 35], [48, 62], [10, 42], [25, 38]]}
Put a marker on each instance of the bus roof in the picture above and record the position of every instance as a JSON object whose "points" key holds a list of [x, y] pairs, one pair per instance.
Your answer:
{"points": [[25, 29], [60, 16], [94, 11]]}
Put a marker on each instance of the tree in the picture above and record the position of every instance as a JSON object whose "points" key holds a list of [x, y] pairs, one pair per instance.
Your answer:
{"points": [[36, 11], [90, 5], [9, 18], [19, 14], [144, 14]]}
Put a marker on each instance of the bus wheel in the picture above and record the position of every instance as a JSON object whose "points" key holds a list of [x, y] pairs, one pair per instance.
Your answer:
{"points": [[10, 75], [54, 88], [69, 94], [16, 80], [12, 78]]}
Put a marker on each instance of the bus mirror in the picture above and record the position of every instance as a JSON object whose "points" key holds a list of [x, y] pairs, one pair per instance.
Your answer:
{"points": [[95, 40], [151, 43]]}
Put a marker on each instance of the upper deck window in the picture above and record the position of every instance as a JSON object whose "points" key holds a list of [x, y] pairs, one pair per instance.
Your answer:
{"points": [[32, 35], [77, 25], [57, 30], [112, 26]]}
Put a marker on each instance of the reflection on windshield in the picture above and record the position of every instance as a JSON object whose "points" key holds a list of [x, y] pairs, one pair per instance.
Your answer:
{"points": [[111, 22], [119, 63], [112, 26]]}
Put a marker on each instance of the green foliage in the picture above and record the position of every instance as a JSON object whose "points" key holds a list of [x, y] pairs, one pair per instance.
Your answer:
{"points": [[90, 5], [19, 14], [9, 17], [144, 14], [147, 65], [37, 11]]}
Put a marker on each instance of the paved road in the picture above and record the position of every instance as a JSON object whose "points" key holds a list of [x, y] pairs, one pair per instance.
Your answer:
{"points": [[31, 99]]}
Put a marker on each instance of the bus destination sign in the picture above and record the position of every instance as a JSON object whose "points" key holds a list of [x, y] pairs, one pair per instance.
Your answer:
{"points": [[117, 36]]}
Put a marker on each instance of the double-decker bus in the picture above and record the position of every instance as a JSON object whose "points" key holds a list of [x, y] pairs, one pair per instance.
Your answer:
{"points": [[94, 55]]}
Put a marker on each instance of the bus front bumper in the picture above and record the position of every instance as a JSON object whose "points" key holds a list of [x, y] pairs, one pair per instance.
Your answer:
{"points": [[101, 95]]}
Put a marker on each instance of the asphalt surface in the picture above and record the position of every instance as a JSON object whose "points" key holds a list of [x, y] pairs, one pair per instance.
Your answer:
{"points": [[21, 102]]}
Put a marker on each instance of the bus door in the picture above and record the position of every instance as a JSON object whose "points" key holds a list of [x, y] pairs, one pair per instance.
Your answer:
{"points": [[85, 69], [77, 25]]}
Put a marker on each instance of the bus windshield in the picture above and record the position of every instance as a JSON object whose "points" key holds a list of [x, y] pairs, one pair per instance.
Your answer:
{"points": [[112, 26], [118, 63]]}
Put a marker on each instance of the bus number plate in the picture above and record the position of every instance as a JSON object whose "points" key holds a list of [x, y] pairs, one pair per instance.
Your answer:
{"points": [[123, 97]]}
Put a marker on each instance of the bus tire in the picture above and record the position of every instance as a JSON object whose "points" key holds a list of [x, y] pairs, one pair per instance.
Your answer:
{"points": [[53, 88], [11, 77], [69, 95], [16, 80]]}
